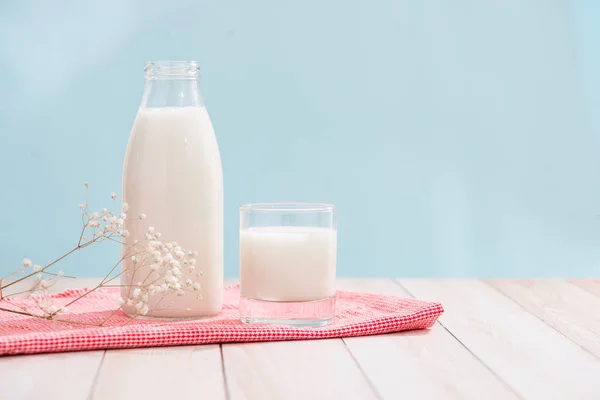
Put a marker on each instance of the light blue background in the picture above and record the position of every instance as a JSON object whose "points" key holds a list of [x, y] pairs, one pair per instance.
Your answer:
{"points": [[457, 138]]}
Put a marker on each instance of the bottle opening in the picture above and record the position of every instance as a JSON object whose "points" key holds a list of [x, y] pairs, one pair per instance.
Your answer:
{"points": [[172, 70]]}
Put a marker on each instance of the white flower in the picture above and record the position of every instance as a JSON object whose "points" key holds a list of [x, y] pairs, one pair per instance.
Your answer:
{"points": [[125, 207], [154, 267], [100, 234], [37, 268], [171, 279], [123, 216], [176, 271], [144, 309], [145, 297], [52, 309], [191, 268], [192, 262], [150, 229], [157, 235], [120, 301], [142, 216], [136, 293], [180, 293], [119, 232], [188, 282], [194, 253], [104, 219], [60, 273], [113, 196], [134, 259], [81, 206], [63, 310], [188, 309], [44, 284], [120, 221], [26, 262], [83, 239], [93, 223], [95, 215], [85, 184], [104, 210], [179, 254], [147, 236], [125, 233], [196, 286], [139, 305]]}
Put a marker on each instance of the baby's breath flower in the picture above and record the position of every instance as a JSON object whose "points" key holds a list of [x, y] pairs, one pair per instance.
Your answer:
{"points": [[142, 216], [120, 301], [37, 268], [86, 184], [123, 216], [196, 286], [157, 235], [63, 310], [81, 206], [125, 233], [136, 293], [26, 262], [44, 284], [150, 229], [125, 207], [95, 215], [119, 221], [113, 196], [104, 210], [60, 273]]}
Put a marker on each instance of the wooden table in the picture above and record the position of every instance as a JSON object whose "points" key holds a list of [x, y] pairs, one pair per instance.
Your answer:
{"points": [[498, 339]]}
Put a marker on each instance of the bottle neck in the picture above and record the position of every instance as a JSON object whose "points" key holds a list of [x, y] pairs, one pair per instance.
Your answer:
{"points": [[172, 92]]}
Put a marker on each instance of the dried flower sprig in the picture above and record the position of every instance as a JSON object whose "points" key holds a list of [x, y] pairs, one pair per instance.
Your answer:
{"points": [[154, 269]]}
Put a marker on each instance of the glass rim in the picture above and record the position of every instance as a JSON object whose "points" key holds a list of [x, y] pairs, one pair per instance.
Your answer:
{"points": [[288, 207]]}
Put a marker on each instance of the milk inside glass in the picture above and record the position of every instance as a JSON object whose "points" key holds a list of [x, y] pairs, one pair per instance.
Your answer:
{"points": [[173, 174], [288, 263]]}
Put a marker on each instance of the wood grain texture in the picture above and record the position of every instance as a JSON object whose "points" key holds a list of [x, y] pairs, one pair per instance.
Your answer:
{"points": [[186, 372], [429, 363], [591, 285], [319, 369], [49, 376], [569, 309], [533, 358]]}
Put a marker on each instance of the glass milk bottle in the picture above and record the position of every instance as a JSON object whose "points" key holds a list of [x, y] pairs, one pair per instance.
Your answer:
{"points": [[172, 174]]}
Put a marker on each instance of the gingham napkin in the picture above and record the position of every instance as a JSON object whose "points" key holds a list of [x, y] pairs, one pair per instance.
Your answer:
{"points": [[357, 314]]}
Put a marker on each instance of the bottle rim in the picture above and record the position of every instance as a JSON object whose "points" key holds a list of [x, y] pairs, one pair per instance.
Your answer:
{"points": [[172, 70]]}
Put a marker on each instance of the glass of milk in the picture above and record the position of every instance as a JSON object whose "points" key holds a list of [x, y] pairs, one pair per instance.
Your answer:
{"points": [[287, 263]]}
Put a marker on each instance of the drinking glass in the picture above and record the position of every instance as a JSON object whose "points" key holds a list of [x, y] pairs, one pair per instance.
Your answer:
{"points": [[287, 263]]}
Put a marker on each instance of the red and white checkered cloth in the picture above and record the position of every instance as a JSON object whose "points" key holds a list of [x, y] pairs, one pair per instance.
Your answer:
{"points": [[357, 314]]}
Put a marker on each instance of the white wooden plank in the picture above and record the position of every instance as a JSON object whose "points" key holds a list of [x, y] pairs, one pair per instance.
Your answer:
{"points": [[186, 372], [567, 308], [534, 359], [49, 376], [318, 369], [420, 364], [591, 285]]}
